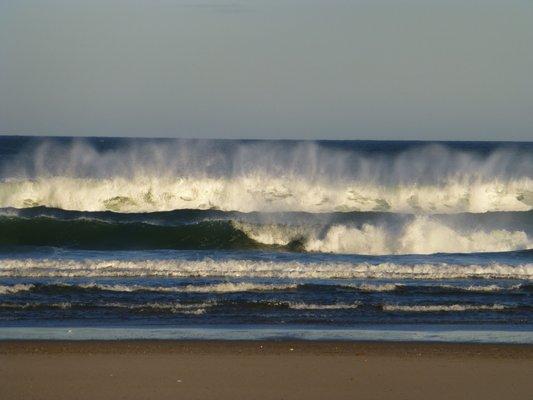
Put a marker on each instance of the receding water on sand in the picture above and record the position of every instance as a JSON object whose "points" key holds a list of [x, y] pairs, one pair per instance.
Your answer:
{"points": [[401, 333]]}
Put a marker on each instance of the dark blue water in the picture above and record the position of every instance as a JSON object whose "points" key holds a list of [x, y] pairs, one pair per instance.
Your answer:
{"points": [[130, 233]]}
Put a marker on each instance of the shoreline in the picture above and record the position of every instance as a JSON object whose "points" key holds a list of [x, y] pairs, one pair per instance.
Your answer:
{"points": [[165, 369], [271, 347], [488, 334]]}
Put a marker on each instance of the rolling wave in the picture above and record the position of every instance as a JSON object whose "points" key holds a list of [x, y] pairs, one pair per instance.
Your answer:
{"points": [[411, 235], [491, 220]]}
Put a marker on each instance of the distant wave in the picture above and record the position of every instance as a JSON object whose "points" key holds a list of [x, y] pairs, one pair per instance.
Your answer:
{"points": [[267, 176], [258, 269]]}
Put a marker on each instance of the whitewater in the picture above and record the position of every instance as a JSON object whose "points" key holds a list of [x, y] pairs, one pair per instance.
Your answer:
{"points": [[137, 176]]}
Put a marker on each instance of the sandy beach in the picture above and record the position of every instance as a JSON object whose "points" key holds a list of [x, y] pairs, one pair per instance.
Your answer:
{"points": [[262, 370]]}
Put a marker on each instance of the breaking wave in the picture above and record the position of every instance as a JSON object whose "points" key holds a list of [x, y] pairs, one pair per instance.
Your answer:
{"points": [[415, 235], [148, 176], [422, 235], [268, 194]]}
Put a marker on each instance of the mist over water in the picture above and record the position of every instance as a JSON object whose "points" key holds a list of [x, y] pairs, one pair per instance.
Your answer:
{"points": [[142, 176]]}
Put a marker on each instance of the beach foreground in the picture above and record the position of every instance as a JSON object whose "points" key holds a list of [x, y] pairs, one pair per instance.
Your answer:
{"points": [[262, 370]]}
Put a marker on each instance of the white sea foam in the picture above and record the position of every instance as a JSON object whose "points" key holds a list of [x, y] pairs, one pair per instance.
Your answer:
{"points": [[12, 289], [224, 287], [256, 193], [370, 287], [391, 287], [266, 176], [310, 306], [260, 269], [443, 308], [483, 288], [422, 235]]}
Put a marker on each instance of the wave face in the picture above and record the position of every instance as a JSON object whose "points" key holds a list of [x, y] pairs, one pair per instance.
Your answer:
{"points": [[172, 233], [142, 176], [344, 233]]}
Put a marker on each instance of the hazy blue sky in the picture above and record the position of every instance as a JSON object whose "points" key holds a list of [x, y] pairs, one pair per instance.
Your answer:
{"points": [[361, 69]]}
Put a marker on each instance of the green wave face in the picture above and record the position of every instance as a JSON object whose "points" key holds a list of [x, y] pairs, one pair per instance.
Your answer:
{"points": [[91, 234]]}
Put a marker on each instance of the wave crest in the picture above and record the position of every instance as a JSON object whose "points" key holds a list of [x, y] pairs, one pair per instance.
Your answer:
{"points": [[12, 289], [422, 235], [268, 194], [147, 176]]}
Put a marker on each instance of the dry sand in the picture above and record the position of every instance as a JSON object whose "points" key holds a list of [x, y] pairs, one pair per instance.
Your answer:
{"points": [[263, 370]]}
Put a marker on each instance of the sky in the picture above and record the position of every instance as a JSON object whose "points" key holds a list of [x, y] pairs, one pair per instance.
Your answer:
{"points": [[270, 69]]}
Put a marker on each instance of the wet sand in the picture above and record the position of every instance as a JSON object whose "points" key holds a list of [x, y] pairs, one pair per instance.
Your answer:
{"points": [[263, 370]]}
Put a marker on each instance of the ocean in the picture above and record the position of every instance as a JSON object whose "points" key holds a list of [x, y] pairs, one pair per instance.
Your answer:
{"points": [[167, 238]]}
